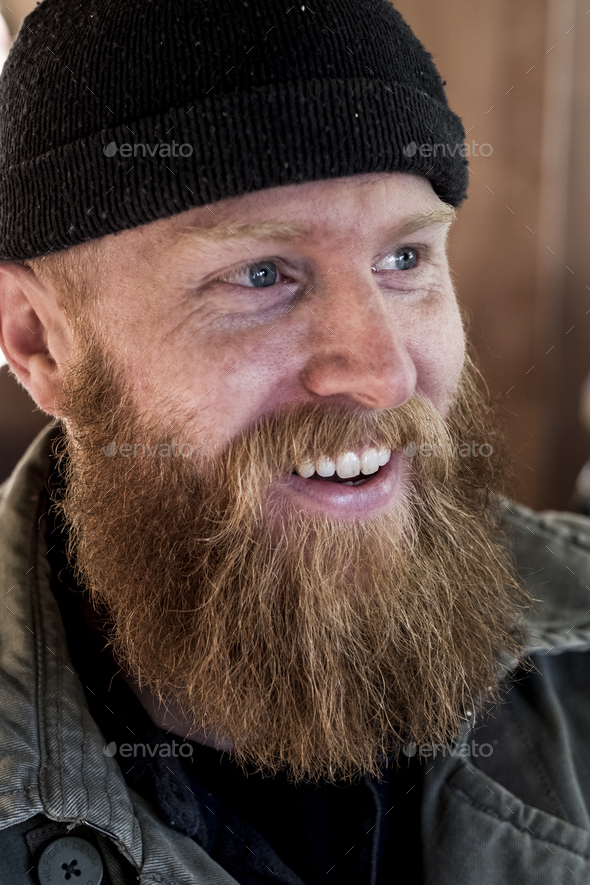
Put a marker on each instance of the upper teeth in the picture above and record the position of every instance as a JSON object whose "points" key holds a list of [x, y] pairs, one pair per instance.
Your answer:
{"points": [[347, 465]]}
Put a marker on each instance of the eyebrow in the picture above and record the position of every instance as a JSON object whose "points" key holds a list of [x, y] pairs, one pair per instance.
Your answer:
{"points": [[444, 214], [220, 231], [241, 230]]}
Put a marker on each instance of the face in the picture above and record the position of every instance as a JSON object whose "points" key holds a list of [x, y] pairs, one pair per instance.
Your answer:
{"points": [[340, 308], [242, 414]]}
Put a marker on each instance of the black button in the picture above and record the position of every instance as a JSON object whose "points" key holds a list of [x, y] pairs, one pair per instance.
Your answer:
{"points": [[72, 860]]}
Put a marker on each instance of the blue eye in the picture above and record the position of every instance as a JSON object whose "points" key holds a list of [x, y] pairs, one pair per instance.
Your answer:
{"points": [[406, 259], [402, 259], [262, 275]]}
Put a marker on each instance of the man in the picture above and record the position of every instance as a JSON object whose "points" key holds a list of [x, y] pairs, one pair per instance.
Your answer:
{"points": [[266, 615]]}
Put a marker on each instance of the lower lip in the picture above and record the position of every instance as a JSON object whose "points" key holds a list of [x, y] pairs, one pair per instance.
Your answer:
{"points": [[373, 498]]}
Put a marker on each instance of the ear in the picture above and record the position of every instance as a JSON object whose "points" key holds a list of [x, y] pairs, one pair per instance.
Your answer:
{"points": [[34, 334]]}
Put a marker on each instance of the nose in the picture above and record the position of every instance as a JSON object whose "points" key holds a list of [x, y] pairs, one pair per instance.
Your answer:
{"points": [[355, 348]]}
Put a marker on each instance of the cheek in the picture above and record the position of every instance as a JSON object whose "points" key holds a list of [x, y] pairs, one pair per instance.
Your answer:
{"points": [[438, 352], [217, 385]]}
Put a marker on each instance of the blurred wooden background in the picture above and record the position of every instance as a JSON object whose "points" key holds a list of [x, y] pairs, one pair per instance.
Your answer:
{"points": [[518, 74]]}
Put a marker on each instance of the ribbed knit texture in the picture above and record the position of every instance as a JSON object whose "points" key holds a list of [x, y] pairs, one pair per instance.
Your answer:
{"points": [[262, 93]]}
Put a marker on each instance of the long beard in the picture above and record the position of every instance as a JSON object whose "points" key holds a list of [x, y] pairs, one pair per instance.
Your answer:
{"points": [[316, 646]]}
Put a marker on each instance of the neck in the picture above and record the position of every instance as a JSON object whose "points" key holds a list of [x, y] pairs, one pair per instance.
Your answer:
{"points": [[170, 718]]}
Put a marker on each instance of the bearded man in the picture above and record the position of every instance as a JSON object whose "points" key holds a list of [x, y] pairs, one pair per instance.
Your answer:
{"points": [[267, 615]]}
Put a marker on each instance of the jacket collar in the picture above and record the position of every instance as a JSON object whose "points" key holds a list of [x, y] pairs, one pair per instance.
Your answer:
{"points": [[50, 746]]}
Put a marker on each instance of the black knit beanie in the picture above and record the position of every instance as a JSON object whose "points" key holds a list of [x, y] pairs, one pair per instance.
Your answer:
{"points": [[114, 113]]}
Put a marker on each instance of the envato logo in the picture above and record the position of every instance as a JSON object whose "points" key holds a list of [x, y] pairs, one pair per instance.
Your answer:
{"points": [[449, 150], [140, 149], [459, 450], [164, 450], [430, 751], [128, 751]]}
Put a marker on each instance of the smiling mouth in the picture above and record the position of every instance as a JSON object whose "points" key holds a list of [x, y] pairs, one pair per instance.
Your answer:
{"points": [[326, 491]]}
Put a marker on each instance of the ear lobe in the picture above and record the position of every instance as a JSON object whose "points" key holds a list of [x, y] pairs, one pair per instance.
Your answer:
{"points": [[31, 331]]}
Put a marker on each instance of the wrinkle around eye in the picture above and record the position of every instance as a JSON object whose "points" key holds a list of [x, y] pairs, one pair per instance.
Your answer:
{"points": [[403, 281], [225, 307], [410, 291]]}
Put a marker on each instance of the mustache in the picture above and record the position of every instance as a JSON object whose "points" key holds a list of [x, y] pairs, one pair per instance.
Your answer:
{"points": [[259, 457], [288, 436]]}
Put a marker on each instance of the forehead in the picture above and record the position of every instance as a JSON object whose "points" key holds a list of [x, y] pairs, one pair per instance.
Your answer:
{"points": [[333, 208]]}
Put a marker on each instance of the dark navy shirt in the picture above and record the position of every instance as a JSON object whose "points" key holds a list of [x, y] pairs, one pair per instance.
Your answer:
{"points": [[259, 829]]}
